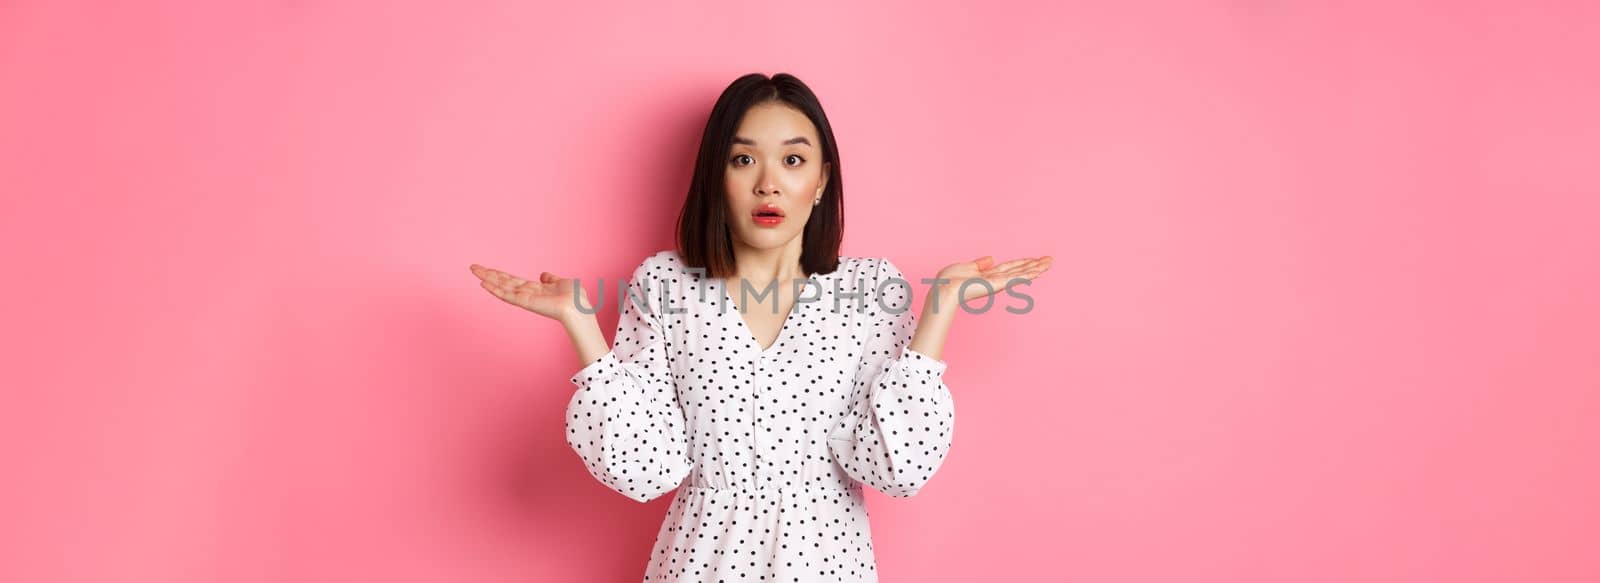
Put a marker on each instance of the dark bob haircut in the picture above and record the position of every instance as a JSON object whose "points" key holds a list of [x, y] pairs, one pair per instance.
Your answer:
{"points": [[704, 238]]}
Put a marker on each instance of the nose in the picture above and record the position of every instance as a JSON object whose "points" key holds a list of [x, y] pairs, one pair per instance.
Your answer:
{"points": [[766, 186]]}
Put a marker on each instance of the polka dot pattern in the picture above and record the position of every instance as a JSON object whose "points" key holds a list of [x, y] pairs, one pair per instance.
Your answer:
{"points": [[767, 448]]}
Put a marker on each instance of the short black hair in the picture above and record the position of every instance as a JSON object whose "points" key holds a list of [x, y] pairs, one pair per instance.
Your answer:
{"points": [[704, 239]]}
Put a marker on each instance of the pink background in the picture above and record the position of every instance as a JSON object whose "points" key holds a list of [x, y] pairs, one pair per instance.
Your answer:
{"points": [[1325, 306]]}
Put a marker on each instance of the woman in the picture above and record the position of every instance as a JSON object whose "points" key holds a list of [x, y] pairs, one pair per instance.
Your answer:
{"points": [[768, 418]]}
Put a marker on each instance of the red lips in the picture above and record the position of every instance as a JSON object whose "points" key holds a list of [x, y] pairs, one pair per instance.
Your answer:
{"points": [[768, 210]]}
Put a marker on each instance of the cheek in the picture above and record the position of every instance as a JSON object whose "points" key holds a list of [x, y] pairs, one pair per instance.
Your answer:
{"points": [[815, 178], [804, 182]]}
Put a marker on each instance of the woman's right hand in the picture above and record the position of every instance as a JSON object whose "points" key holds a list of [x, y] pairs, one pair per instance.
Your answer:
{"points": [[551, 296]]}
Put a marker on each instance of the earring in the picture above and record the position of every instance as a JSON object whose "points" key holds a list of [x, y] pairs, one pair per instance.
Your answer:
{"points": [[816, 202]]}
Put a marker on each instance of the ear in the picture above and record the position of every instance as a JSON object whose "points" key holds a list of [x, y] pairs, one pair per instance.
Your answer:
{"points": [[827, 170]]}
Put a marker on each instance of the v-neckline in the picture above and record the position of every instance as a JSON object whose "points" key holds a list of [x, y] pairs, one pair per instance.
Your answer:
{"points": [[783, 329]]}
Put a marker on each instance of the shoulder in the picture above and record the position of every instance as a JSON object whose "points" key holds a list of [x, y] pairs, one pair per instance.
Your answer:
{"points": [[866, 268], [868, 275], [884, 289], [857, 264], [663, 266], [664, 260]]}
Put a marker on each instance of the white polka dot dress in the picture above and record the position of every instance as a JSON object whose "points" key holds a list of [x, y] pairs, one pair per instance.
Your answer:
{"points": [[767, 448]]}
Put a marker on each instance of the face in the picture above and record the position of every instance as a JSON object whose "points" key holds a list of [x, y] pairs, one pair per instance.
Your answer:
{"points": [[773, 173]]}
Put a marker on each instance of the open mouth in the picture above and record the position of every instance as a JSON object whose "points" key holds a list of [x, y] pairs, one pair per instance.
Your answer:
{"points": [[767, 215]]}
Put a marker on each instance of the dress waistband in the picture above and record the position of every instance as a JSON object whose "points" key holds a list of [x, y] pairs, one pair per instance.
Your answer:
{"points": [[825, 486]]}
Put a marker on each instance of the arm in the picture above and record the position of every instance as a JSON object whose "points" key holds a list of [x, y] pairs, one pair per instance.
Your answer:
{"points": [[933, 325], [584, 331], [624, 420], [901, 419]]}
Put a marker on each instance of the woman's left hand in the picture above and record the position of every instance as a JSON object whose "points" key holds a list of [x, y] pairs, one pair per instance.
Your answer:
{"points": [[984, 268]]}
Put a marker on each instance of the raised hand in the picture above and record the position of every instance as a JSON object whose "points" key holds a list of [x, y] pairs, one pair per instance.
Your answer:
{"points": [[550, 296], [997, 275]]}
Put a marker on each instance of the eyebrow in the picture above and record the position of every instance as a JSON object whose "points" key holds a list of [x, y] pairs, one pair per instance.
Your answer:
{"points": [[750, 142]]}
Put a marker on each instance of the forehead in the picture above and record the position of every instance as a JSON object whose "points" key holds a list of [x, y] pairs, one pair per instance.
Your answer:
{"points": [[771, 123]]}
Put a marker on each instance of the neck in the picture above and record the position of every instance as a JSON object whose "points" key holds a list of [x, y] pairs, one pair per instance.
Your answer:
{"points": [[762, 266]]}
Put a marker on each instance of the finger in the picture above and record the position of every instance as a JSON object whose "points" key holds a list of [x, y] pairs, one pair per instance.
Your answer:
{"points": [[1034, 273], [1009, 265], [507, 280], [515, 281], [512, 295], [504, 284], [1022, 275], [1027, 271], [494, 289], [491, 274], [1020, 266]]}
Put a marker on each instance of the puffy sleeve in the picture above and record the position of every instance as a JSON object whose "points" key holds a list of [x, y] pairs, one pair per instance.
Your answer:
{"points": [[901, 418], [624, 419]]}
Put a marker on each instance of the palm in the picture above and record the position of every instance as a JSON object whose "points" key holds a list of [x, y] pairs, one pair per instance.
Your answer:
{"points": [[984, 269], [549, 296]]}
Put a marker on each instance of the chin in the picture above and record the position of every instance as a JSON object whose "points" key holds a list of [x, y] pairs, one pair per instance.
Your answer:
{"points": [[768, 240]]}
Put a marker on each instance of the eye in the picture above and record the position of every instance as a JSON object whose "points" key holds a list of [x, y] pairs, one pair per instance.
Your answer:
{"points": [[796, 157], [737, 160]]}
